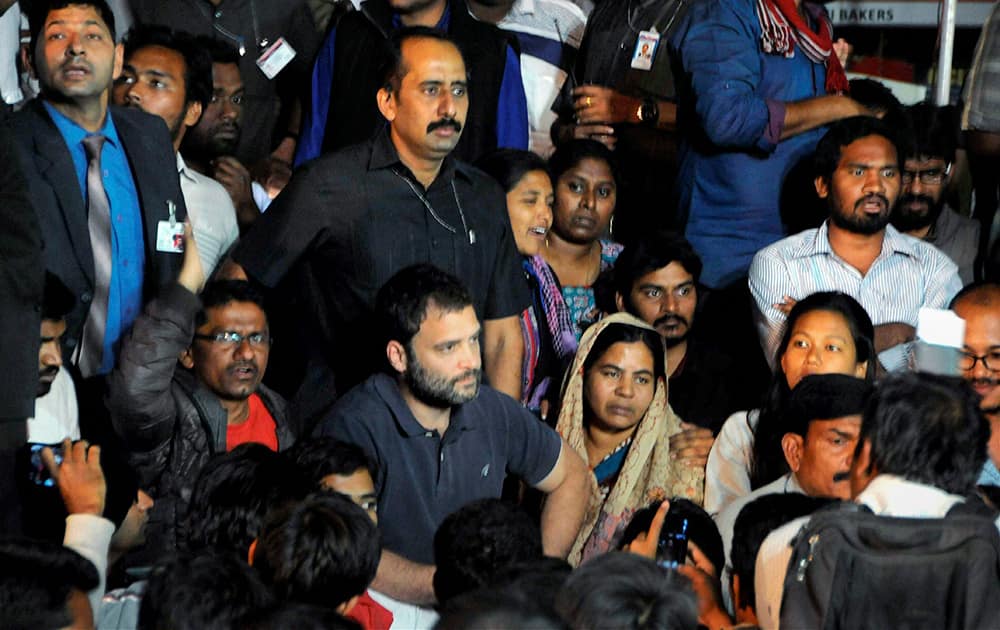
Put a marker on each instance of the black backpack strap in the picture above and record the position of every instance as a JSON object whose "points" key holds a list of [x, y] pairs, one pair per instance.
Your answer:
{"points": [[844, 507]]}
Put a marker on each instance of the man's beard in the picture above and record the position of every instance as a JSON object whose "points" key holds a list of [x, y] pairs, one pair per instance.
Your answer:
{"points": [[862, 223], [44, 386], [906, 220], [434, 390], [669, 342]]}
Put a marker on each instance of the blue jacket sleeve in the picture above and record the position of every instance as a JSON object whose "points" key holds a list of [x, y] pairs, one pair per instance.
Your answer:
{"points": [[314, 124], [512, 106], [721, 54]]}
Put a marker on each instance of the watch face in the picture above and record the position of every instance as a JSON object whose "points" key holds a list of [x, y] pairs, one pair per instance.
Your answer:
{"points": [[648, 112]]}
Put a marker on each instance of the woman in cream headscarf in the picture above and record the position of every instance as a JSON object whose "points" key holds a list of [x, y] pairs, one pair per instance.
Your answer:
{"points": [[615, 415]]}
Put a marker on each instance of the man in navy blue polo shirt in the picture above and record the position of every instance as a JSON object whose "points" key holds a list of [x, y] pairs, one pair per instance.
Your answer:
{"points": [[438, 438]]}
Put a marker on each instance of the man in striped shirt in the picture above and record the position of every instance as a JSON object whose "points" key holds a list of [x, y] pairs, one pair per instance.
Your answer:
{"points": [[855, 251]]}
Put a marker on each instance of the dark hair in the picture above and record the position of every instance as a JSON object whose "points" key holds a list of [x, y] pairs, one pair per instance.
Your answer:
{"points": [[319, 457], [197, 61], [875, 95], [570, 154], [36, 578], [394, 69], [509, 166], [933, 131], [233, 493], [650, 253], [300, 617], [402, 302], [540, 578], [219, 51], [702, 530], [323, 550], [623, 590], [844, 132], [221, 292], [479, 539], [38, 11], [57, 300], [755, 521], [926, 428], [768, 460], [497, 608], [627, 333], [825, 397], [190, 591]]}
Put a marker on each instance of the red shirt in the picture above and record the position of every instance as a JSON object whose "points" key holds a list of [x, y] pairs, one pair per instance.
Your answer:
{"points": [[258, 427], [370, 614]]}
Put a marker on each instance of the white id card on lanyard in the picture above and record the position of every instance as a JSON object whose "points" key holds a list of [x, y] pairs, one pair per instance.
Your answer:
{"points": [[645, 49], [170, 234], [275, 58]]}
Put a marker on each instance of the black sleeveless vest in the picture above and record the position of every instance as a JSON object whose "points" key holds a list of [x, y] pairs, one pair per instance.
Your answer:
{"points": [[362, 51]]}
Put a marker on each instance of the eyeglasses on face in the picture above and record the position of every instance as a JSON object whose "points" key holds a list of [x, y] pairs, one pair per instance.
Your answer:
{"points": [[930, 177], [234, 339], [991, 360]]}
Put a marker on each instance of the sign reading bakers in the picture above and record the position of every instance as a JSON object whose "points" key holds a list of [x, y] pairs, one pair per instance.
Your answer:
{"points": [[904, 14]]}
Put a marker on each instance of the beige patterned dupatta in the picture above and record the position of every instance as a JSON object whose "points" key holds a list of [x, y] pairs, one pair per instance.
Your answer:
{"points": [[648, 473]]}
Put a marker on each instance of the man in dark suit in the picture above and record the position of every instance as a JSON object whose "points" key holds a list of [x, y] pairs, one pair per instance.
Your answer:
{"points": [[84, 160], [20, 293]]}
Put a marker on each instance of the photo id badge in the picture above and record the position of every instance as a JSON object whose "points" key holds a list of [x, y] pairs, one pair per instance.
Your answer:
{"points": [[645, 48], [170, 237], [275, 58]]}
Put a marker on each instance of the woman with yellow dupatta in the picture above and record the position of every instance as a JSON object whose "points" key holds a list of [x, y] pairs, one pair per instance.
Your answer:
{"points": [[616, 416]]}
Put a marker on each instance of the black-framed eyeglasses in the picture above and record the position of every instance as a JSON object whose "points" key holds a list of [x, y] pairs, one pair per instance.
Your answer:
{"points": [[234, 339], [930, 177], [991, 360]]}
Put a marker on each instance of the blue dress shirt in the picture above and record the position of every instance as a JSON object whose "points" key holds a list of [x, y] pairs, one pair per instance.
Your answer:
{"points": [[128, 252]]}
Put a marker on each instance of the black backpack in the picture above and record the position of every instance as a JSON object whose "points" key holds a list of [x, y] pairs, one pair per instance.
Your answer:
{"points": [[853, 569]]}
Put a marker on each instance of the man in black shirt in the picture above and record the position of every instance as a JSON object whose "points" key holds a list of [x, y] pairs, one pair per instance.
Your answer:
{"points": [[656, 280], [349, 220]]}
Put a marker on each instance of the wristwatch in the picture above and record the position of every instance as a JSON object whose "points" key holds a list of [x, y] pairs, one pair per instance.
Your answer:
{"points": [[648, 112]]}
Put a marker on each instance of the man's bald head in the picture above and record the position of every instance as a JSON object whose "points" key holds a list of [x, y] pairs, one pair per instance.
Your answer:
{"points": [[981, 294], [979, 306]]}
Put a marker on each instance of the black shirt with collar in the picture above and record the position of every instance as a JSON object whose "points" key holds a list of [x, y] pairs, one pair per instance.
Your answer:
{"points": [[423, 476], [349, 220]]}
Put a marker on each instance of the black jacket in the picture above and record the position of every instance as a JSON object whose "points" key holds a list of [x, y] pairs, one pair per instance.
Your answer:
{"points": [[62, 211], [171, 424]]}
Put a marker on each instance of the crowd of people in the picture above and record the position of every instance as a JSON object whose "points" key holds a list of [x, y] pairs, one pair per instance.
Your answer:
{"points": [[490, 314]]}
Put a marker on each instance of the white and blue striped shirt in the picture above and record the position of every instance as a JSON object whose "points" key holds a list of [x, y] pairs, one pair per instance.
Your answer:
{"points": [[907, 275], [549, 33]]}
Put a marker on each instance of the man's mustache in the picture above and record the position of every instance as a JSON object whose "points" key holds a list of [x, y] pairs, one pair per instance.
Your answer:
{"points": [[51, 370], [445, 122], [910, 198], [843, 475], [869, 197], [986, 381], [670, 318]]}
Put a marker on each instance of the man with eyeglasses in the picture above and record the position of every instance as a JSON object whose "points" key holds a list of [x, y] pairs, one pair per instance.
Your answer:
{"points": [[979, 306], [922, 211], [188, 386]]}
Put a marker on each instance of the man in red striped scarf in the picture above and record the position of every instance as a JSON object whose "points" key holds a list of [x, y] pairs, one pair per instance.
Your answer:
{"points": [[760, 81]]}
